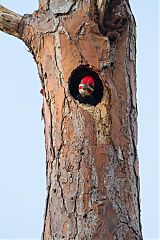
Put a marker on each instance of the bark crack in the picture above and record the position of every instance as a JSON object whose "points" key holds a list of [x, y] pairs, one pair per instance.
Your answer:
{"points": [[135, 157], [71, 9], [78, 184], [47, 209], [62, 194]]}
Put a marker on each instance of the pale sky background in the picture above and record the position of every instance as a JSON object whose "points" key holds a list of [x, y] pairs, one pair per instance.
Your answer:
{"points": [[22, 151]]}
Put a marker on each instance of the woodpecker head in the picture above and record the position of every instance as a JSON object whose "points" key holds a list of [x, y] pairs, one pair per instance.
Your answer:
{"points": [[86, 86]]}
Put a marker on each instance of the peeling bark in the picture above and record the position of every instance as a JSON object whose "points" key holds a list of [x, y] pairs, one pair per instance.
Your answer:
{"points": [[91, 156]]}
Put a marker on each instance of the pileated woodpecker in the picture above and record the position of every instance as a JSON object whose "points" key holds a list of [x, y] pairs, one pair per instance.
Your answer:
{"points": [[86, 88]]}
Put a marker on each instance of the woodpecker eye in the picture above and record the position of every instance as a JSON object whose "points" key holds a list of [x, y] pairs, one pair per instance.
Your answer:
{"points": [[86, 86]]}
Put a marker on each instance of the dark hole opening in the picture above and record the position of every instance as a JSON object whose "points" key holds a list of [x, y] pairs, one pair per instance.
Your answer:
{"points": [[74, 81], [85, 215]]}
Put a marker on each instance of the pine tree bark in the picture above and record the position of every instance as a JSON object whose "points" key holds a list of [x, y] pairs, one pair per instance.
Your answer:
{"points": [[91, 156]]}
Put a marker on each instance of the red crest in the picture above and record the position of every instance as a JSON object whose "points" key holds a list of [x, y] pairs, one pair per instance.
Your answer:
{"points": [[88, 80]]}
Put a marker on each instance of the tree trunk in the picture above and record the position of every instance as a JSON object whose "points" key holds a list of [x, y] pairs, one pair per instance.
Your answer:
{"points": [[91, 157]]}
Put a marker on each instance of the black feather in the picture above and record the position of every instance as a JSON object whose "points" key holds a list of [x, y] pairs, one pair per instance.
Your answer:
{"points": [[87, 100]]}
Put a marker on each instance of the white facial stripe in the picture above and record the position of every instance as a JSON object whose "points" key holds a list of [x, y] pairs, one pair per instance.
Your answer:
{"points": [[85, 92], [91, 88]]}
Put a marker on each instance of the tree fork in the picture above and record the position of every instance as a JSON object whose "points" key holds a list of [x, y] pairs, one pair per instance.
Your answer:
{"points": [[91, 156]]}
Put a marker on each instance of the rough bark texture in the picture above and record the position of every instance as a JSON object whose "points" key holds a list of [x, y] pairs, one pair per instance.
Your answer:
{"points": [[9, 21], [91, 157]]}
